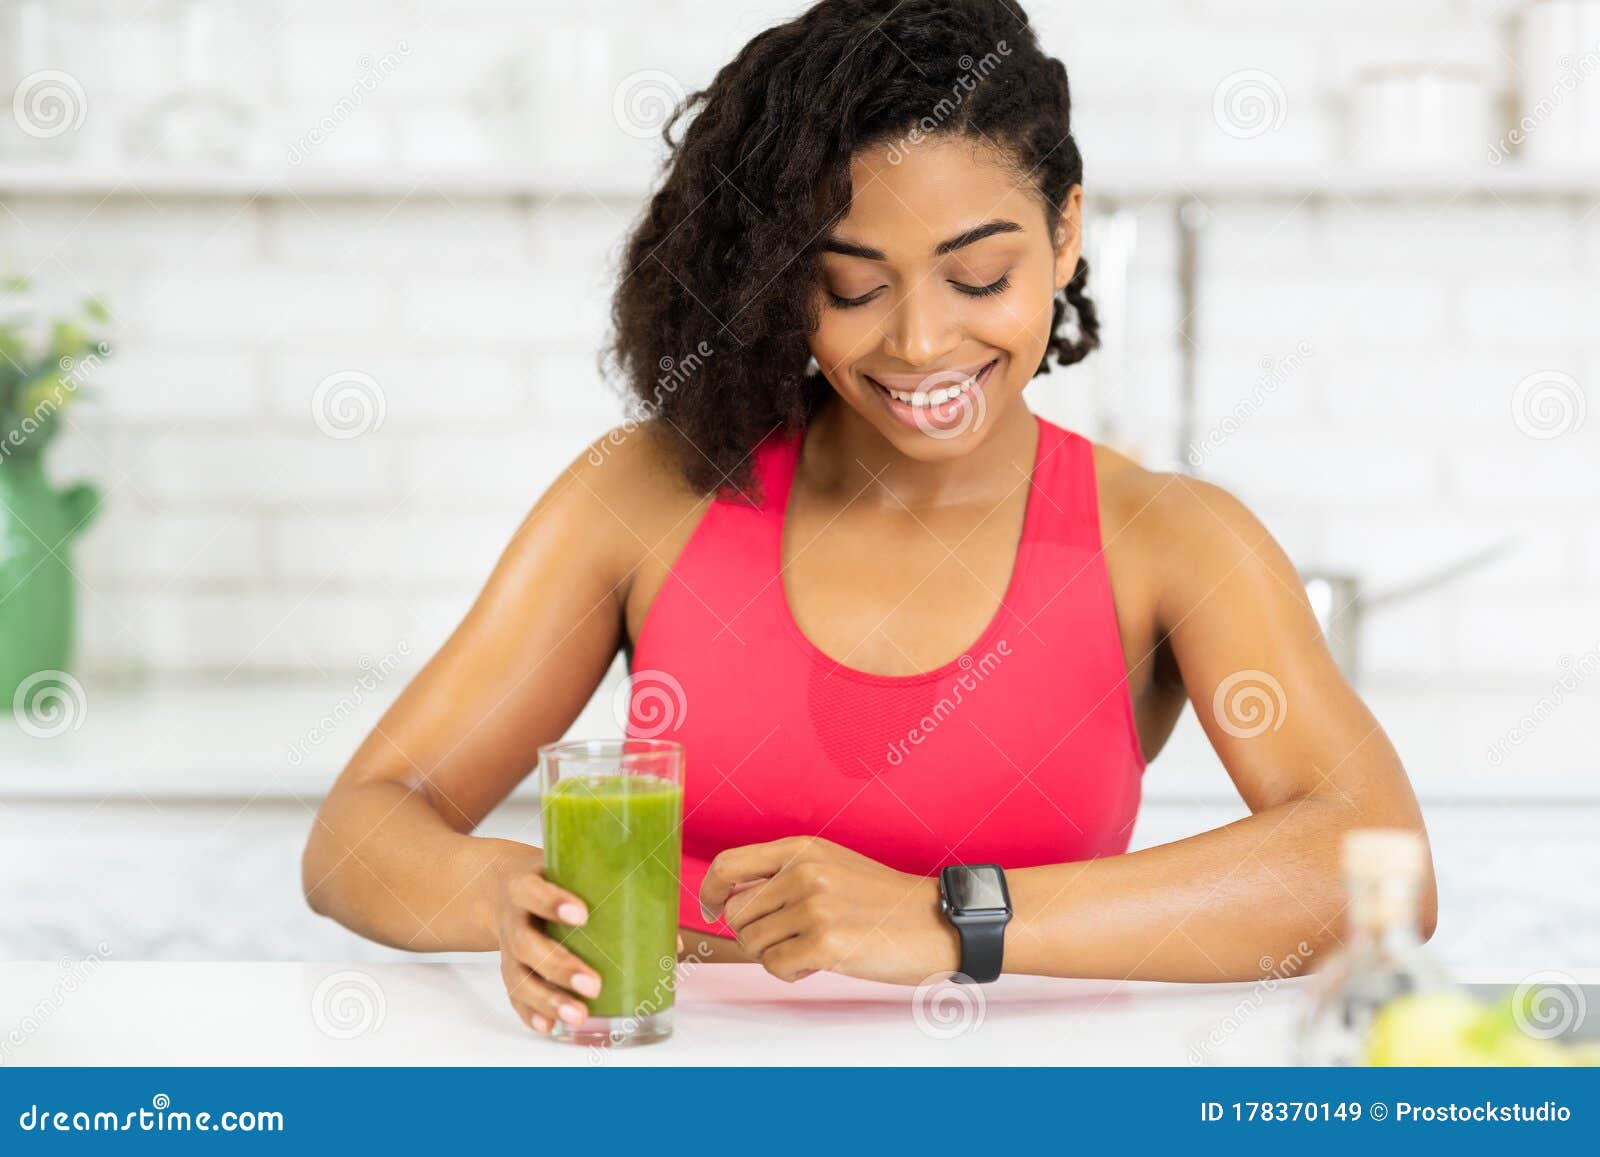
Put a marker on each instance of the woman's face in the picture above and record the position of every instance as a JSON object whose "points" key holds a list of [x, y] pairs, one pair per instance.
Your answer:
{"points": [[936, 293]]}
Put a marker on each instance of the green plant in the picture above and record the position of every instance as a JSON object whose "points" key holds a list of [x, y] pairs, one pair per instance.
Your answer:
{"points": [[43, 366], [42, 370]]}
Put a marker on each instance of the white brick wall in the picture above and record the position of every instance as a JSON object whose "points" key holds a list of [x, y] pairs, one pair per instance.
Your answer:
{"points": [[238, 536]]}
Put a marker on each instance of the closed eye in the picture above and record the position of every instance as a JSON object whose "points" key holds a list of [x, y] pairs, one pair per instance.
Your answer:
{"points": [[851, 302], [1000, 286], [992, 288]]}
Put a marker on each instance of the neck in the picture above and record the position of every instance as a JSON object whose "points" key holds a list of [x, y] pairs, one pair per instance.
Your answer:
{"points": [[844, 453]]}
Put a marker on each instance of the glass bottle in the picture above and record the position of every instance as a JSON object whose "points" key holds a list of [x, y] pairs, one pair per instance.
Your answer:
{"points": [[1382, 957]]}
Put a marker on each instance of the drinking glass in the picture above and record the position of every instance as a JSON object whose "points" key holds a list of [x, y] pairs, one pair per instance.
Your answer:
{"points": [[612, 815]]}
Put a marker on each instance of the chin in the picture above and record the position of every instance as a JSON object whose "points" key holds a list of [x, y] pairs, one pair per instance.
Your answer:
{"points": [[921, 448]]}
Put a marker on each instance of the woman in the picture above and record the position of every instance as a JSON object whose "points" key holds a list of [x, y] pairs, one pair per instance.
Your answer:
{"points": [[899, 622]]}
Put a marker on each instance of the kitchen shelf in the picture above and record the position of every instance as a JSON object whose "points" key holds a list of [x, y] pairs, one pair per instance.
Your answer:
{"points": [[1352, 182], [1121, 184], [217, 182]]}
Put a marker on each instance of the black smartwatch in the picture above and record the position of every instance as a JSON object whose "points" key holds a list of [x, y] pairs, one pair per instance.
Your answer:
{"points": [[974, 898]]}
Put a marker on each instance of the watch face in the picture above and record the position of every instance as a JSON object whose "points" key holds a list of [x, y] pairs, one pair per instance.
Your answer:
{"points": [[976, 889]]}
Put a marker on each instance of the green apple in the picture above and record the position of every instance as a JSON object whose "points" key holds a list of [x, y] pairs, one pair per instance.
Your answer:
{"points": [[1451, 1029], [1502, 1036], [1427, 1029]]}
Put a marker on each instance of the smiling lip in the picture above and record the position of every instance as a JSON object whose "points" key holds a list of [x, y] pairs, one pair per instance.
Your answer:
{"points": [[961, 391], [911, 383]]}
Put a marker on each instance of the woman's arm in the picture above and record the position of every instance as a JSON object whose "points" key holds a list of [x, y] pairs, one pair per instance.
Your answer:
{"points": [[1262, 894], [389, 854]]}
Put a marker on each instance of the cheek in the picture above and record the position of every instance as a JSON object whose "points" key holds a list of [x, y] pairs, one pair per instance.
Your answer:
{"points": [[1020, 322], [841, 337]]}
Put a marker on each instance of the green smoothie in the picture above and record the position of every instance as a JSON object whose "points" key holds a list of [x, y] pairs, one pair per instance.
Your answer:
{"points": [[615, 841]]}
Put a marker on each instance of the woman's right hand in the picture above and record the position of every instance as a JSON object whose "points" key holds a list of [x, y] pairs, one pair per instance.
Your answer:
{"points": [[543, 979]]}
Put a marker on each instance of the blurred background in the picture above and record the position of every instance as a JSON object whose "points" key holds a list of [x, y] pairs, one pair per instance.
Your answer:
{"points": [[310, 295]]}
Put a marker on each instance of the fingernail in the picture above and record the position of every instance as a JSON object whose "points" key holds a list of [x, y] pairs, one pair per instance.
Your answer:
{"points": [[570, 913], [707, 915], [540, 1024], [572, 1014], [586, 984]]}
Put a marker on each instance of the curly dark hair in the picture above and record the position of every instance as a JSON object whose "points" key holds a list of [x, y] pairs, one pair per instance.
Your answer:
{"points": [[716, 297]]}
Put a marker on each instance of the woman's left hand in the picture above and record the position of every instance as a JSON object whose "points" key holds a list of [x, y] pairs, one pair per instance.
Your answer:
{"points": [[804, 904]]}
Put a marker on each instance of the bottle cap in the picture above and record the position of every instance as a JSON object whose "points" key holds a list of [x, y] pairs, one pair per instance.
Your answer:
{"points": [[1384, 852]]}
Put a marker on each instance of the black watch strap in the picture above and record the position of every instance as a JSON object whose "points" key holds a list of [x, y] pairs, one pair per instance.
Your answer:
{"points": [[982, 951]]}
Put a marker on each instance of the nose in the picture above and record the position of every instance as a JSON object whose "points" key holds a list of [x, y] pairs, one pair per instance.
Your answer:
{"points": [[921, 328]]}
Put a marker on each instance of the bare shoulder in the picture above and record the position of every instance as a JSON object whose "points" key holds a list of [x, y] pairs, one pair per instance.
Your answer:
{"points": [[1189, 533], [637, 468], [636, 477], [632, 476], [616, 504], [1169, 503], [1170, 507]]}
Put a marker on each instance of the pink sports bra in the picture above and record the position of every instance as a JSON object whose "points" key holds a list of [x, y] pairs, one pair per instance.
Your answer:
{"points": [[1021, 751]]}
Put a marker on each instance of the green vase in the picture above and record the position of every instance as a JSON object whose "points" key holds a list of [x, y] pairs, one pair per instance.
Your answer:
{"points": [[37, 526]]}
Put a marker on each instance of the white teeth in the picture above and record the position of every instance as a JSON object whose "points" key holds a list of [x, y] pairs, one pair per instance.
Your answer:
{"points": [[936, 397]]}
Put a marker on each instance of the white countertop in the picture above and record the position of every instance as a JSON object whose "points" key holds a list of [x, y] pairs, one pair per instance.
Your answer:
{"points": [[249, 739], [149, 1013], [131, 1013]]}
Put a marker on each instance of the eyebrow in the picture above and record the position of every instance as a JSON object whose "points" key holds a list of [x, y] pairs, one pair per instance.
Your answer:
{"points": [[971, 236]]}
